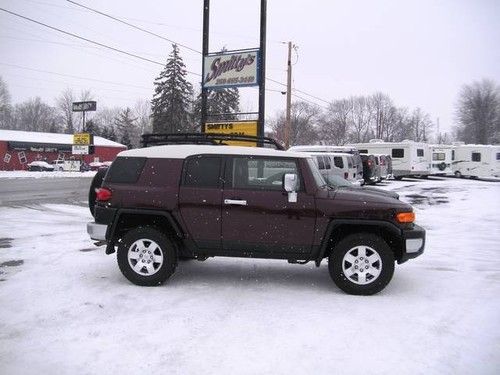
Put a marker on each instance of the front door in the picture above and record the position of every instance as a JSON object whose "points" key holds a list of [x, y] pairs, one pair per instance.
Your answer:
{"points": [[257, 219]]}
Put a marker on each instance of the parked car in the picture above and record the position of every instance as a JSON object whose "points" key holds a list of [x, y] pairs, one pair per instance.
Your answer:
{"points": [[382, 163], [337, 164], [371, 171], [193, 200], [390, 173], [40, 166], [329, 149]]}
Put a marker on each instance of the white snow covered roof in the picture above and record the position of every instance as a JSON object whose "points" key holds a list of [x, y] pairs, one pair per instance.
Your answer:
{"points": [[53, 138], [183, 151]]}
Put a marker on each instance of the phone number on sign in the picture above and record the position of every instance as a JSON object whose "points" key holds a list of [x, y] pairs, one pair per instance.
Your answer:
{"points": [[229, 81]]}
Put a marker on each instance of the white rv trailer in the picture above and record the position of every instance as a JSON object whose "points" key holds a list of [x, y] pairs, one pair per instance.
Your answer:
{"points": [[408, 158], [442, 157], [335, 149], [476, 160]]}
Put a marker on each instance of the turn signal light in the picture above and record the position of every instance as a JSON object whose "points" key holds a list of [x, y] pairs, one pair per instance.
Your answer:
{"points": [[405, 217], [103, 194]]}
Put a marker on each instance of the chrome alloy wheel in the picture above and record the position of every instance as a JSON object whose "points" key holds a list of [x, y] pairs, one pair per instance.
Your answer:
{"points": [[145, 257], [362, 265]]}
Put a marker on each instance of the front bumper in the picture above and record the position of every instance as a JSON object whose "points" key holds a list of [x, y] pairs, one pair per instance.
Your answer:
{"points": [[97, 231], [413, 243]]}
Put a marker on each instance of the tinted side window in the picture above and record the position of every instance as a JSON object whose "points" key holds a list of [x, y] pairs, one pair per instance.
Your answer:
{"points": [[260, 173], [338, 162], [363, 151], [420, 152], [498, 155], [398, 153], [125, 170], [321, 164], [476, 156], [327, 162], [202, 171], [452, 154]]}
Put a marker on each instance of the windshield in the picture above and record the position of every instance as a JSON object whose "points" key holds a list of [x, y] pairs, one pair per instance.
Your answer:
{"points": [[318, 178]]}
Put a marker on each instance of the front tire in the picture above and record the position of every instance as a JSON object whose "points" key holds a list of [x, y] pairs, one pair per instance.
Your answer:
{"points": [[146, 256], [361, 264]]}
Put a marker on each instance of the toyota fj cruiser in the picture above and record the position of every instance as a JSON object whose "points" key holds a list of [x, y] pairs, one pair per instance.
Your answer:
{"points": [[163, 203]]}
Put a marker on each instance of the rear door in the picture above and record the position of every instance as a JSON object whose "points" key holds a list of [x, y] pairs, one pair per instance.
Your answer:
{"points": [[200, 199], [257, 219]]}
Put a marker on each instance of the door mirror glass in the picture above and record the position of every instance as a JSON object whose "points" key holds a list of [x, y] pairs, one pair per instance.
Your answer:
{"points": [[290, 182]]}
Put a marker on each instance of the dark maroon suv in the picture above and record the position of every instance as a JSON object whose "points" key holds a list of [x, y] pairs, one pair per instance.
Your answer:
{"points": [[160, 204]]}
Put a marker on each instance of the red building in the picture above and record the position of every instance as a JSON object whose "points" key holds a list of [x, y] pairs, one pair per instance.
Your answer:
{"points": [[18, 148]]}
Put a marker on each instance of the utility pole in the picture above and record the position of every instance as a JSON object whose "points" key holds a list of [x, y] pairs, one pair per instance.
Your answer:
{"points": [[204, 92], [262, 71], [288, 97]]}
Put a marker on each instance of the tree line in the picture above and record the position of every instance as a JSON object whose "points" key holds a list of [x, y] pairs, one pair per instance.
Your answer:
{"points": [[176, 107]]}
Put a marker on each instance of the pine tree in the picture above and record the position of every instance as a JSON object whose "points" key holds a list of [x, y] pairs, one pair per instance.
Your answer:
{"points": [[221, 104], [125, 140], [172, 99]]}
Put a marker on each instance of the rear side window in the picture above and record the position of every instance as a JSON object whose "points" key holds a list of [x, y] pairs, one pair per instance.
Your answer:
{"points": [[476, 156], [498, 155], [338, 162], [453, 155], [321, 163], [202, 171], [125, 170], [398, 153], [420, 152], [327, 162], [350, 163]]}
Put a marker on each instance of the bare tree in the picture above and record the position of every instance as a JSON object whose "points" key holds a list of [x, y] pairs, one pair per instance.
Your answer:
{"points": [[65, 107], [142, 111], [335, 122], [34, 115], [303, 124], [5, 107], [361, 118], [478, 113]]}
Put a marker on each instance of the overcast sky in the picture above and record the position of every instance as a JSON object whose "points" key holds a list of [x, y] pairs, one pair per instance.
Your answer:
{"points": [[418, 52]]}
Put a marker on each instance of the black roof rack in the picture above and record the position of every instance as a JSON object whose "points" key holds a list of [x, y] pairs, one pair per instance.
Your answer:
{"points": [[158, 139]]}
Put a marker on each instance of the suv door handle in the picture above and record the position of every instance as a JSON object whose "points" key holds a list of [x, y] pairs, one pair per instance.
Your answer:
{"points": [[236, 202]]}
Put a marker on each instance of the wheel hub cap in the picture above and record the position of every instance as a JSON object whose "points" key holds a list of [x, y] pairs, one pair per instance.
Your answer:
{"points": [[145, 257], [362, 265]]}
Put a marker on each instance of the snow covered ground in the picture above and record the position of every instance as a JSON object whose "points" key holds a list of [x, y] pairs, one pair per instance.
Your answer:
{"points": [[66, 309]]}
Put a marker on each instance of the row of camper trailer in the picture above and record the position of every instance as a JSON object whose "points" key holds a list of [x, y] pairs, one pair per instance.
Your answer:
{"points": [[409, 159]]}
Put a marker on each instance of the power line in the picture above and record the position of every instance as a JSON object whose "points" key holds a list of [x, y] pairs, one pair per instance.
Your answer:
{"points": [[89, 40], [172, 41], [73, 76], [132, 25]]}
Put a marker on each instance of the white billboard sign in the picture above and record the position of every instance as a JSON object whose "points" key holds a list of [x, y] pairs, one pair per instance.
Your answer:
{"points": [[231, 69], [80, 150]]}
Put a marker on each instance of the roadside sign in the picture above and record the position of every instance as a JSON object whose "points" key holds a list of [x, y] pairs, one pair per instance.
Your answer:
{"points": [[83, 139], [235, 127], [84, 106], [80, 150], [231, 69]]}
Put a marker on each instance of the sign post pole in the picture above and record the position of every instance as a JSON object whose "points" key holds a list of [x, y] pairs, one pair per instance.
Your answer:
{"points": [[262, 70], [204, 91]]}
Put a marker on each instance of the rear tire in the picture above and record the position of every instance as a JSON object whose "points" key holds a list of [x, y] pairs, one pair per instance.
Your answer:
{"points": [[458, 174], [95, 184], [146, 256], [399, 178], [361, 264]]}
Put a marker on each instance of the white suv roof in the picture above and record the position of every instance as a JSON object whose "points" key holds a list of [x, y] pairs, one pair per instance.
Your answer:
{"points": [[184, 151]]}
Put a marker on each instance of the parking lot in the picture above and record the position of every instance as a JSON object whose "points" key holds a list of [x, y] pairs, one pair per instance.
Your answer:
{"points": [[66, 308]]}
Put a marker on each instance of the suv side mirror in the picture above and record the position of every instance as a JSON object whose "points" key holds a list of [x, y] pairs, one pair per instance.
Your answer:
{"points": [[290, 184]]}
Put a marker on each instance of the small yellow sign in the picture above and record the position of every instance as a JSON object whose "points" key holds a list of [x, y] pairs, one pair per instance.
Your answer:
{"points": [[237, 128], [82, 139]]}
